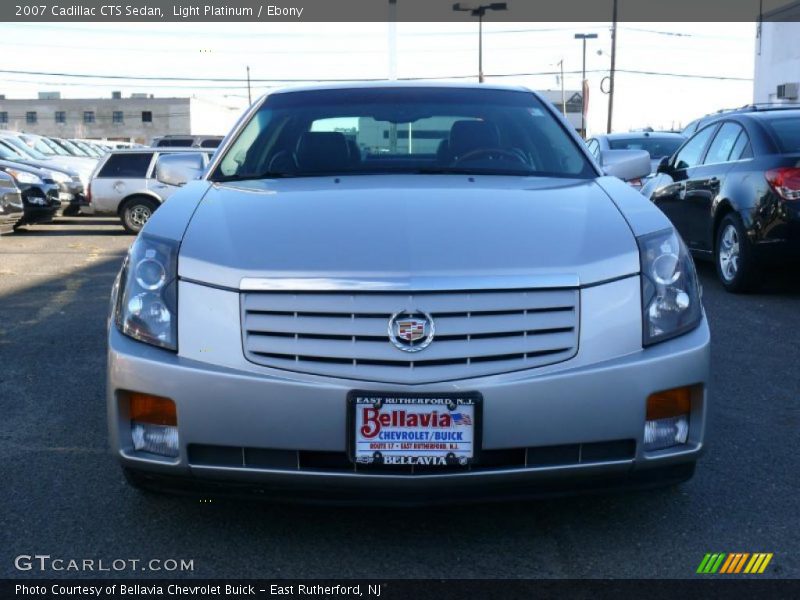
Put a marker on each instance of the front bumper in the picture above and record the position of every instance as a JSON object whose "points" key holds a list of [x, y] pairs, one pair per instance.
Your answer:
{"points": [[588, 418]]}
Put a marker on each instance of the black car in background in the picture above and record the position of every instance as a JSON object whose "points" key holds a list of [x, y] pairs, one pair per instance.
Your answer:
{"points": [[40, 200], [733, 192], [10, 203]]}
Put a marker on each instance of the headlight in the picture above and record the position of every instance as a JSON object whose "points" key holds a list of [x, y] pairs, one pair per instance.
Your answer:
{"points": [[670, 291], [24, 176], [146, 293], [60, 177]]}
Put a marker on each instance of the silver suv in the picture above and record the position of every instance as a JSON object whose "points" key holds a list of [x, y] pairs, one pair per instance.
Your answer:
{"points": [[407, 293], [123, 184]]}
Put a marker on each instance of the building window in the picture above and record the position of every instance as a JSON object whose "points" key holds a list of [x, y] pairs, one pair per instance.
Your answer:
{"points": [[88, 116], [147, 116], [3, 118], [116, 117], [61, 116], [30, 117]]}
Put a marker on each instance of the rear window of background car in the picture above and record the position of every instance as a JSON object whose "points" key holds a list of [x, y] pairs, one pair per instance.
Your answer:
{"points": [[656, 147], [126, 165], [787, 130]]}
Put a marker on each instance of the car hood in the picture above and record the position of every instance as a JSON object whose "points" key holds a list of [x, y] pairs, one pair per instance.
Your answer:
{"points": [[407, 232], [20, 166], [50, 165], [82, 166]]}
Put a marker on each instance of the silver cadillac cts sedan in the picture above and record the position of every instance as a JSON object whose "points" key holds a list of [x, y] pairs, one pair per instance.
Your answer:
{"points": [[395, 293]]}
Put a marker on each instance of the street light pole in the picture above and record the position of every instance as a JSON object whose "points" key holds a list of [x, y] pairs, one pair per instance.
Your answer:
{"points": [[613, 69], [480, 47], [584, 86], [479, 11], [249, 97]]}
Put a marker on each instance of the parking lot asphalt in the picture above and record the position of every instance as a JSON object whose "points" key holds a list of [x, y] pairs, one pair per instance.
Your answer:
{"points": [[63, 494]]}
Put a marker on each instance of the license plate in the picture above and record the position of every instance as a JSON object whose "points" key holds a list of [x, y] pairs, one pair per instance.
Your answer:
{"points": [[414, 429]]}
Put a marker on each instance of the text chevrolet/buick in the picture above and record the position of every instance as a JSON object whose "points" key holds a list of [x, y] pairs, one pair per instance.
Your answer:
{"points": [[406, 293]]}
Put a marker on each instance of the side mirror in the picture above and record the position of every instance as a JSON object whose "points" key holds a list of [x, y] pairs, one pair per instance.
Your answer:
{"points": [[663, 166], [179, 167], [626, 164]]}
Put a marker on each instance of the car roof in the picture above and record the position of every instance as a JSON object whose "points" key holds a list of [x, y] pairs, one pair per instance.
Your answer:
{"points": [[172, 136], [161, 150], [775, 114], [385, 84]]}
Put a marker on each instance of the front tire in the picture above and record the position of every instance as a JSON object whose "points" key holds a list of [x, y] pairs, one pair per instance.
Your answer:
{"points": [[136, 212], [734, 256]]}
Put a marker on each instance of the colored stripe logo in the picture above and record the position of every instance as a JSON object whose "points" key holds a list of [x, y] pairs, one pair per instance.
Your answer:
{"points": [[735, 562]]}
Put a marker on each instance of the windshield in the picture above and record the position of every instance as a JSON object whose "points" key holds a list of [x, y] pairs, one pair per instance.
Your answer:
{"points": [[9, 153], [90, 151], [787, 130], [73, 148], [23, 148], [56, 149], [657, 147], [403, 130]]}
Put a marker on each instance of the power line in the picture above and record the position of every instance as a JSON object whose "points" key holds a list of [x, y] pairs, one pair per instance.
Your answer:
{"points": [[687, 75], [354, 79], [468, 32], [139, 86]]}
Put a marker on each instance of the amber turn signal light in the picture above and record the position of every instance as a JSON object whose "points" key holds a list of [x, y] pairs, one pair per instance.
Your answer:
{"points": [[156, 410], [669, 403]]}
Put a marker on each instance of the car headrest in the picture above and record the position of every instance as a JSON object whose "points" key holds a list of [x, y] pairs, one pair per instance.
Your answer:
{"points": [[322, 151], [466, 136]]}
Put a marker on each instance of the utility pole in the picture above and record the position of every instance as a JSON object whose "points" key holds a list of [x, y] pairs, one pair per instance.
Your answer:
{"points": [[584, 83], [563, 94], [480, 46], [249, 97], [480, 11], [613, 67]]}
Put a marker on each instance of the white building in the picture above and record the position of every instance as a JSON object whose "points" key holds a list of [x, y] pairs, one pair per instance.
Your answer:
{"points": [[138, 118], [777, 66]]}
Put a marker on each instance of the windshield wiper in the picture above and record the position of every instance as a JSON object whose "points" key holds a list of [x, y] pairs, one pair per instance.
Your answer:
{"points": [[466, 171], [264, 175]]}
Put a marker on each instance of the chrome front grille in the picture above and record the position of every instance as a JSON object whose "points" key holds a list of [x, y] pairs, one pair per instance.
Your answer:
{"points": [[344, 334]]}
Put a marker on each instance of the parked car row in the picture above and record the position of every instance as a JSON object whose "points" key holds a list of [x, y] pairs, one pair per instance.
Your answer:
{"points": [[51, 173], [52, 177]]}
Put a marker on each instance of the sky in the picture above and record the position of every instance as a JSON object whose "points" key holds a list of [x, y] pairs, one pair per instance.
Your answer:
{"points": [[719, 55]]}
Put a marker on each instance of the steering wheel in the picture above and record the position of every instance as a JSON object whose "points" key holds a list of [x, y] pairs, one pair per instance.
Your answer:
{"points": [[515, 155]]}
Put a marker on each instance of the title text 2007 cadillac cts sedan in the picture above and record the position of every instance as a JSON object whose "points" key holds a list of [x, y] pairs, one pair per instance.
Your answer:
{"points": [[406, 293]]}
